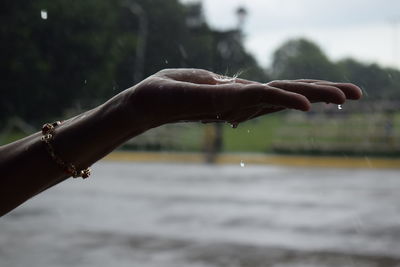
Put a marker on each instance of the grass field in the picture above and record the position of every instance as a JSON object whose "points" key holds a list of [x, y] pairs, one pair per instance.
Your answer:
{"points": [[252, 136], [11, 137]]}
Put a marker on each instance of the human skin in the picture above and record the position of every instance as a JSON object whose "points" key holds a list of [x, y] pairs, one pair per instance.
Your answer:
{"points": [[171, 95]]}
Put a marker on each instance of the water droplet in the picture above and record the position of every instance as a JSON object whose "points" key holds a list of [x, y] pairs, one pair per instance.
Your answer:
{"points": [[248, 131], [43, 14], [166, 61], [85, 81], [340, 107], [242, 164], [234, 125], [225, 79], [217, 117]]}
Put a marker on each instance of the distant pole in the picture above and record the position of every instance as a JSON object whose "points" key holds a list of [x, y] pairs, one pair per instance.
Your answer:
{"points": [[395, 27], [139, 12], [241, 14]]}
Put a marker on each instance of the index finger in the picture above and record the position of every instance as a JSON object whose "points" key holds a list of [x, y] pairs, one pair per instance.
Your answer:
{"points": [[351, 91]]}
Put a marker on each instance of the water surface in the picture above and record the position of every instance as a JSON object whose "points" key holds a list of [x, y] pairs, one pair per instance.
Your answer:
{"points": [[138, 214]]}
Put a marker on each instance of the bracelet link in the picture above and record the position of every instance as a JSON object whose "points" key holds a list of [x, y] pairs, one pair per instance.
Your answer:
{"points": [[48, 131]]}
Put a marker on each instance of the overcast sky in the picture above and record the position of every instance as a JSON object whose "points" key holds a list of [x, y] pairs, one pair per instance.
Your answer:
{"points": [[362, 29]]}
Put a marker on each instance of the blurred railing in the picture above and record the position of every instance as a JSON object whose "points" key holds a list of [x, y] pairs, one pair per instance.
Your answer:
{"points": [[177, 137], [342, 134], [365, 129]]}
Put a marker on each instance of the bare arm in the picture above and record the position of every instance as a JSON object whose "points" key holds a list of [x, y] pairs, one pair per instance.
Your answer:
{"points": [[26, 167], [169, 96]]}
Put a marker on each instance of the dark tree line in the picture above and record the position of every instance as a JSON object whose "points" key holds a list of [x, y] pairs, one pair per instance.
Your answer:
{"points": [[301, 58], [83, 52]]}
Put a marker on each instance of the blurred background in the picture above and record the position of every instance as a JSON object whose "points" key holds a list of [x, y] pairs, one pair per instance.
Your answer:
{"points": [[288, 189]]}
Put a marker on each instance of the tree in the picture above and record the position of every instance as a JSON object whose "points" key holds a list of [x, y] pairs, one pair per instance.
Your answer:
{"points": [[82, 52], [377, 82], [301, 58], [50, 63]]}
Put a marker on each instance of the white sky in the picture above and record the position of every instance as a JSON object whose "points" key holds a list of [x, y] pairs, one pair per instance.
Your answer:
{"points": [[361, 29]]}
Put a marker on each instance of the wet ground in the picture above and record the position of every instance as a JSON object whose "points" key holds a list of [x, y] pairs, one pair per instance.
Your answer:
{"points": [[137, 214]]}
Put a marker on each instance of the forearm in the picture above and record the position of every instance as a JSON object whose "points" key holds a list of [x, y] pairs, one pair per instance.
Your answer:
{"points": [[26, 168]]}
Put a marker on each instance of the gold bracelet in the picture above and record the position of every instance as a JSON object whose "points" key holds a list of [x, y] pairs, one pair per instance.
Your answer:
{"points": [[48, 131]]}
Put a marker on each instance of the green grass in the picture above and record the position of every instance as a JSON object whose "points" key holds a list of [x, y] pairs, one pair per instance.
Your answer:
{"points": [[11, 137], [252, 136]]}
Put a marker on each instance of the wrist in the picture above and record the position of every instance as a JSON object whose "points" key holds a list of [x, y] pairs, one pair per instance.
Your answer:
{"points": [[88, 137], [138, 110]]}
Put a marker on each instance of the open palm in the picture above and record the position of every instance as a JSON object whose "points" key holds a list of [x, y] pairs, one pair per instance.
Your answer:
{"points": [[174, 95]]}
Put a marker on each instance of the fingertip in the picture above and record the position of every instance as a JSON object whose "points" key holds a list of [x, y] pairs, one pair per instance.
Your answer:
{"points": [[340, 99], [306, 106], [350, 90], [335, 94], [358, 93], [287, 99], [303, 104]]}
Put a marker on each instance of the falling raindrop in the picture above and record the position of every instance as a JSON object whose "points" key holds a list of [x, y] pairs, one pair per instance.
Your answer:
{"points": [[339, 107], [248, 131], [242, 164], [43, 14], [85, 81], [166, 61]]}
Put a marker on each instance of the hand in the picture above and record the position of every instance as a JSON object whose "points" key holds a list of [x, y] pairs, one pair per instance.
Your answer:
{"points": [[174, 95]]}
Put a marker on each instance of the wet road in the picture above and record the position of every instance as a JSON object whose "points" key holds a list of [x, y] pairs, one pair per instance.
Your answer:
{"points": [[137, 214]]}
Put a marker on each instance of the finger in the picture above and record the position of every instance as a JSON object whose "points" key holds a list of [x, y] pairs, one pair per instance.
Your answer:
{"points": [[313, 92], [350, 90], [225, 97], [275, 97]]}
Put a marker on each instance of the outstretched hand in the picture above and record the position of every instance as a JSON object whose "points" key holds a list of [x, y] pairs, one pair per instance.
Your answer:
{"points": [[174, 95]]}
